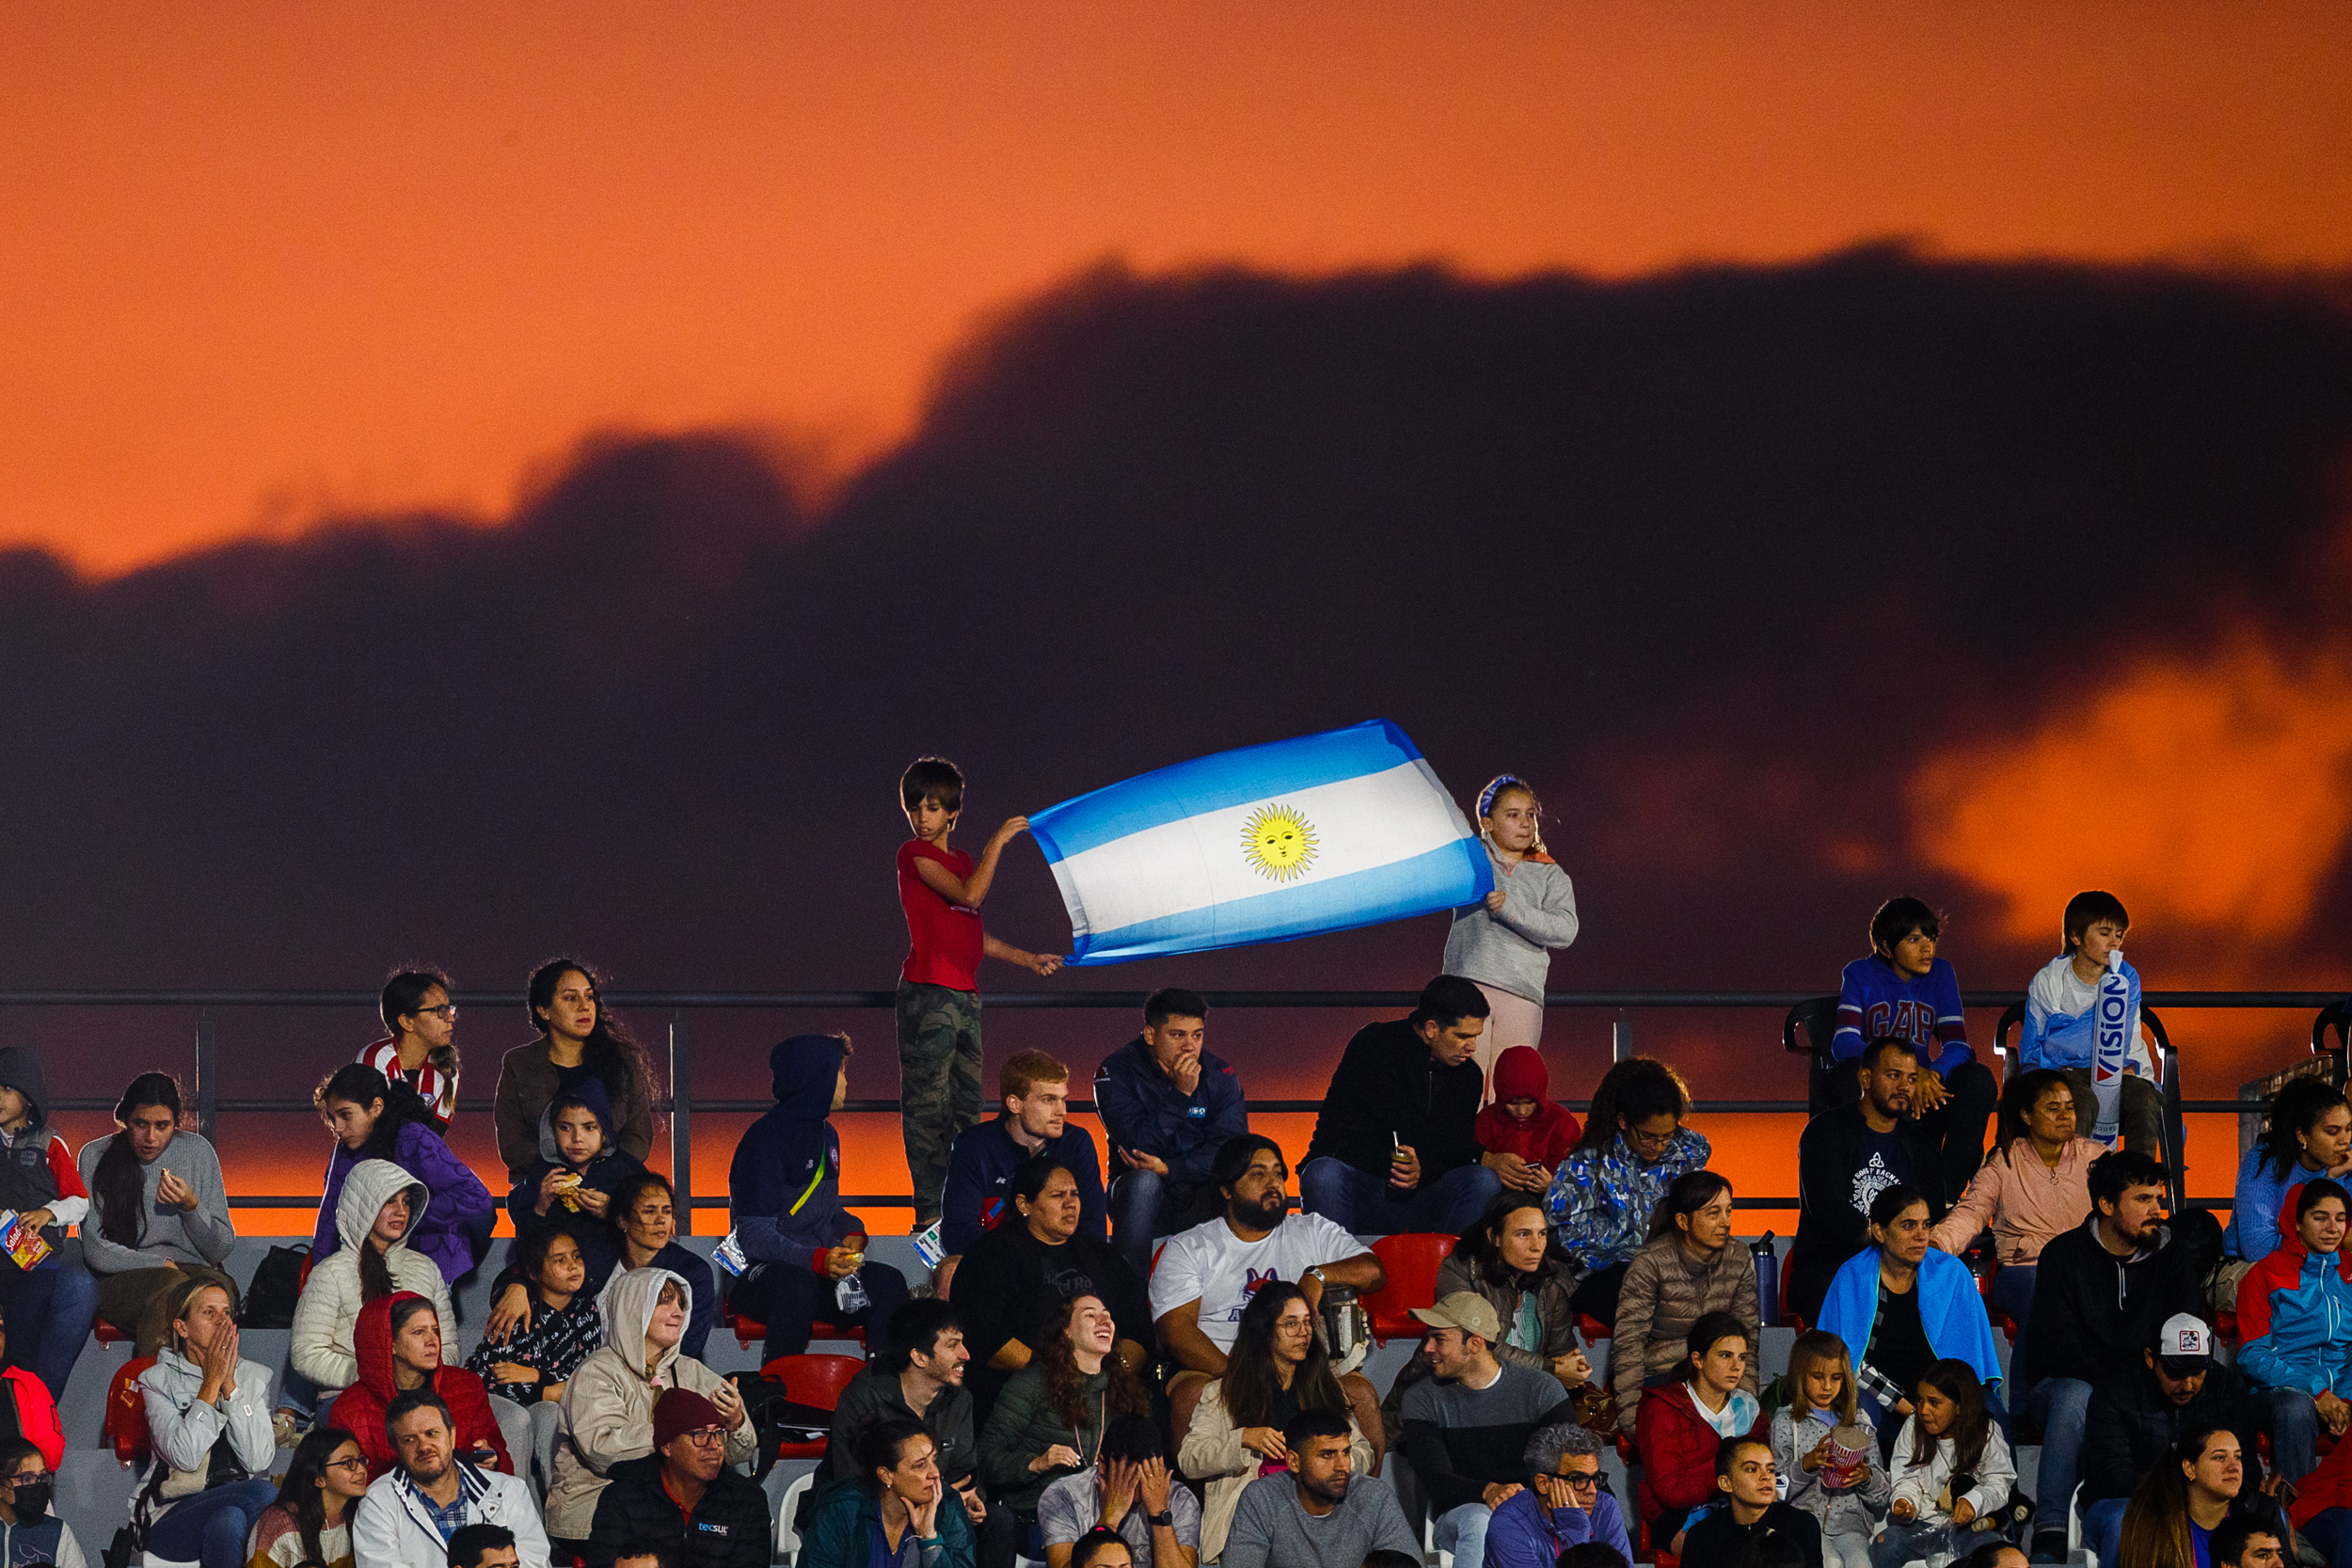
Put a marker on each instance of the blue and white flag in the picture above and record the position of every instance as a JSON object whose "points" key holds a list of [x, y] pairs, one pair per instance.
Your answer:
{"points": [[1322, 834]]}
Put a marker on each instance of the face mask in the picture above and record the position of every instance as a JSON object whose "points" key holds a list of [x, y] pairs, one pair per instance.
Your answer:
{"points": [[32, 1501]]}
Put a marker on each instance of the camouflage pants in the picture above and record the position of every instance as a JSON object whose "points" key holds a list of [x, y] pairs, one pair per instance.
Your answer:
{"points": [[939, 1082]]}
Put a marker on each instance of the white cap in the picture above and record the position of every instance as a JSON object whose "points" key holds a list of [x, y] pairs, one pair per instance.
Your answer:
{"points": [[2184, 1337]]}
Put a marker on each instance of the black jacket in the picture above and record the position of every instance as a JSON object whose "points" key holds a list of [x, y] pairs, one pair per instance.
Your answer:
{"points": [[2131, 1423], [2093, 1312], [1141, 1110], [1389, 1089], [728, 1528], [1785, 1537], [874, 1397], [1010, 1281], [1830, 1228]]}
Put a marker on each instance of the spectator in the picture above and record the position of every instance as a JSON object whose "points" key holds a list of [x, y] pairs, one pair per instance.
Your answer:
{"points": [[32, 1407], [1168, 1105], [208, 1418], [2295, 1326], [1467, 1430], [2243, 1543], [682, 1495], [1564, 1505], [938, 1001], [30, 1534], [2034, 1188], [1318, 1514], [1755, 1526], [1021, 1274], [1128, 1489], [158, 1214], [398, 1345], [1846, 1156], [2307, 1133], [894, 1513], [1902, 1305], [1276, 1367], [2183, 1503], [378, 1203], [643, 1211], [1503, 945], [1688, 1268], [1523, 1123], [1051, 1417], [1034, 1124], [921, 1378], [1683, 1421], [1101, 1548], [1394, 1146], [1902, 990], [2322, 1509], [2101, 1293], [310, 1521], [1847, 1501], [372, 1121], [645, 1554], [1206, 1275], [579, 1170], [412, 1518], [2137, 1417], [421, 1048], [1996, 1553], [784, 1199], [526, 1372], [1605, 1193], [1949, 1437], [2061, 1033], [608, 1404], [487, 1547], [53, 1302], [577, 1039]]}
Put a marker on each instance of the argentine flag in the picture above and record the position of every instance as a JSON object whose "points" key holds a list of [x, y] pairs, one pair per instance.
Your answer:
{"points": [[1322, 834]]}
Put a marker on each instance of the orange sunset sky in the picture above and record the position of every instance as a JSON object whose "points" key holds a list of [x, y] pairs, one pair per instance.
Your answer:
{"points": [[261, 262]]}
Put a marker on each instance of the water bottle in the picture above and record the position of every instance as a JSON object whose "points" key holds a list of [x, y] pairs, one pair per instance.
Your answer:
{"points": [[1766, 1278], [849, 1294]]}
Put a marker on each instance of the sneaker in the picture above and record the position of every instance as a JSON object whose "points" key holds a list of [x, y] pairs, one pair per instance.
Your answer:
{"points": [[2049, 1545]]}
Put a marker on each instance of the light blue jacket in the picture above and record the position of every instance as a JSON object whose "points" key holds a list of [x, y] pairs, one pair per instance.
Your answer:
{"points": [[2306, 1342], [2254, 1230], [1950, 1312]]}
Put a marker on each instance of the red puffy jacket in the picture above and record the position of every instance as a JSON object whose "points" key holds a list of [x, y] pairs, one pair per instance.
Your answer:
{"points": [[360, 1408], [1677, 1449], [36, 1413]]}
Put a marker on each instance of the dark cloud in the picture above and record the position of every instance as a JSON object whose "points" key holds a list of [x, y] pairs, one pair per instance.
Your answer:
{"points": [[1716, 557]]}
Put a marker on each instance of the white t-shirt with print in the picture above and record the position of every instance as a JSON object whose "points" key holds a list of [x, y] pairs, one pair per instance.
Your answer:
{"points": [[1213, 1266]]}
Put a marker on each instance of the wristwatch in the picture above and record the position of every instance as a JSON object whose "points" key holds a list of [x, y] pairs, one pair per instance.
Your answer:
{"points": [[1165, 1518], [1317, 1270]]}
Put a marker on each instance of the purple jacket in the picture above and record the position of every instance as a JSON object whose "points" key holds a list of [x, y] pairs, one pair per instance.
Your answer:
{"points": [[1524, 1533], [456, 1230]]}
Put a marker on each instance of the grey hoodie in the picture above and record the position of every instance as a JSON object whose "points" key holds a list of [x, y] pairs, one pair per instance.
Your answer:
{"points": [[1510, 951]]}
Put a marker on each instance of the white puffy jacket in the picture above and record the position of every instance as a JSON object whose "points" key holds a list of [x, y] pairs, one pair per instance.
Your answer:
{"points": [[328, 1311]]}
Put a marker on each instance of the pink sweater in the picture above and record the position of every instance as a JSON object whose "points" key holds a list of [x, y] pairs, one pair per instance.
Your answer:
{"points": [[2025, 1201]]}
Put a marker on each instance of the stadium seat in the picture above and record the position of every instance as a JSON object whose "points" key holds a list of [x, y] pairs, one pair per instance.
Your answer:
{"points": [[788, 1539], [747, 1333], [126, 1414], [816, 1381], [2168, 1063], [1788, 1314], [1592, 1328], [2336, 1018], [107, 1333], [1806, 1032], [1410, 1260]]}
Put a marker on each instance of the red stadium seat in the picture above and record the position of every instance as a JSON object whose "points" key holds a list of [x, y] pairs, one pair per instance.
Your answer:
{"points": [[1593, 1328], [126, 1412], [747, 1333], [107, 1333], [816, 1381], [1788, 1314], [1410, 1260]]}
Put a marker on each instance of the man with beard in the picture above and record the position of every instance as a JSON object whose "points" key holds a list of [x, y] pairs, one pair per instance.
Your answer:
{"points": [[2135, 1418], [1846, 1156], [1318, 1515], [1166, 1104], [2102, 1292], [921, 1378], [409, 1515], [1207, 1275]]}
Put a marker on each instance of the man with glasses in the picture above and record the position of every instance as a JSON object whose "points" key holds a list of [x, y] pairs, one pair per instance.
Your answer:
{"points": [[30, 1535], [1566, 1503], [683, 1495]]}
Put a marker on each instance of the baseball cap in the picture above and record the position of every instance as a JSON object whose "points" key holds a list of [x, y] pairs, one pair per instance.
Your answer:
{"points": [[1465, 1310], [2184, 1344]]}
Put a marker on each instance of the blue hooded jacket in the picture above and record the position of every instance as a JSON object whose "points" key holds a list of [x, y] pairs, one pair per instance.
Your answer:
{"points": [[1950, 1310], [785, 1185]]}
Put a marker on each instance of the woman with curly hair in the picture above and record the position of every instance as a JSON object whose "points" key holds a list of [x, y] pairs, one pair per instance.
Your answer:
{"points": [[1050, 1418], [1606, 1191], [578, 1038]]}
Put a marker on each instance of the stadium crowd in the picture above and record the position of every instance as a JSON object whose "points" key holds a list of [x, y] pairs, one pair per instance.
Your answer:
{"points": [[1144, 1354]]}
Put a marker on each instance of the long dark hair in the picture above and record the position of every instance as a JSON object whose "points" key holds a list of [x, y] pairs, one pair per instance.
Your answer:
{"points": [[2156, 1521], [1687, 1194], [1481, 1252], [1711, 1329], [1250, 1384], [1066, 1386], [1634, 1090], [610, 1053], [2019, 1096], [2294, 1111], [1971, 1424], [300, 1495], [119, 1183], [402, 994], [358, 1083]]}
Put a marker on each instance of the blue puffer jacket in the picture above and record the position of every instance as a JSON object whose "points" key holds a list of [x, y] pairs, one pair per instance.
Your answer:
{"points": [[785, 1185], [1600, 1202], [2294, 1311]]}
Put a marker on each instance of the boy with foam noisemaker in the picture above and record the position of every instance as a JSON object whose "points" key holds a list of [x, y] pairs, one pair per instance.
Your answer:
{"points": [[2082, 1019], [939, 988]]}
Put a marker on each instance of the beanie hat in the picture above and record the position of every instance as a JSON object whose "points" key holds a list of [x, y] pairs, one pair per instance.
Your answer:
{"points": [[679, 1411]]}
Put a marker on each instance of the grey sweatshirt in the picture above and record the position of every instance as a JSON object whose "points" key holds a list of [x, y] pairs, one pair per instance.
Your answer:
{"points": [[1271, 1530], [1510, 951], [202, 1235]]}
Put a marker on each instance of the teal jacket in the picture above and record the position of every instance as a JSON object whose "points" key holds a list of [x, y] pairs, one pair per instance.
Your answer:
{"points": [[849, 1511]]}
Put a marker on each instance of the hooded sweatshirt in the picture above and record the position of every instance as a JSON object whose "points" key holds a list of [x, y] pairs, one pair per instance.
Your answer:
{"points": [[456, 1230], [599, 1243], [36, 1168], [784, 1184], [360, 1410], [608, 1404], [2295, 1315], [2093, 1311], [328, 1311], [1544, 1138]]}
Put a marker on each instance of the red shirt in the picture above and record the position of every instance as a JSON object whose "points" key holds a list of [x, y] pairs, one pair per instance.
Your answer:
{"points": [[945, 938]]}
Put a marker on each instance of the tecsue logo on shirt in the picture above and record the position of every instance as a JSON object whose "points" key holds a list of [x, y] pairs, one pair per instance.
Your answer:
{"points": [[1196, 1112]]}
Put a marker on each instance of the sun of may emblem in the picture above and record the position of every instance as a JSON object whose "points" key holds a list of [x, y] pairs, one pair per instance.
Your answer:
{"points": [[1277, 842]]}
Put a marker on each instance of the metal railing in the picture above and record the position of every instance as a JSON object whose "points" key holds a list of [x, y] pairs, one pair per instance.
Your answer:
{"points": [[681, 1106]]}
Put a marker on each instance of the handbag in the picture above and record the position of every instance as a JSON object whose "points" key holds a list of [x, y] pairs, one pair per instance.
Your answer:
{"points": [[269, 1301]]}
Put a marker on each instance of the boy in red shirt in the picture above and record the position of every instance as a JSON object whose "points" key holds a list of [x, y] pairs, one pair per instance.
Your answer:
{"points": [[939, 995]]}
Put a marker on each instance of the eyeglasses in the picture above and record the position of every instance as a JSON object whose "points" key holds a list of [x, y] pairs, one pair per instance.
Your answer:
{"points": [[446, 1011], [1583, 1480], [357, 1461], [708, 1438], [36, 1478]]}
